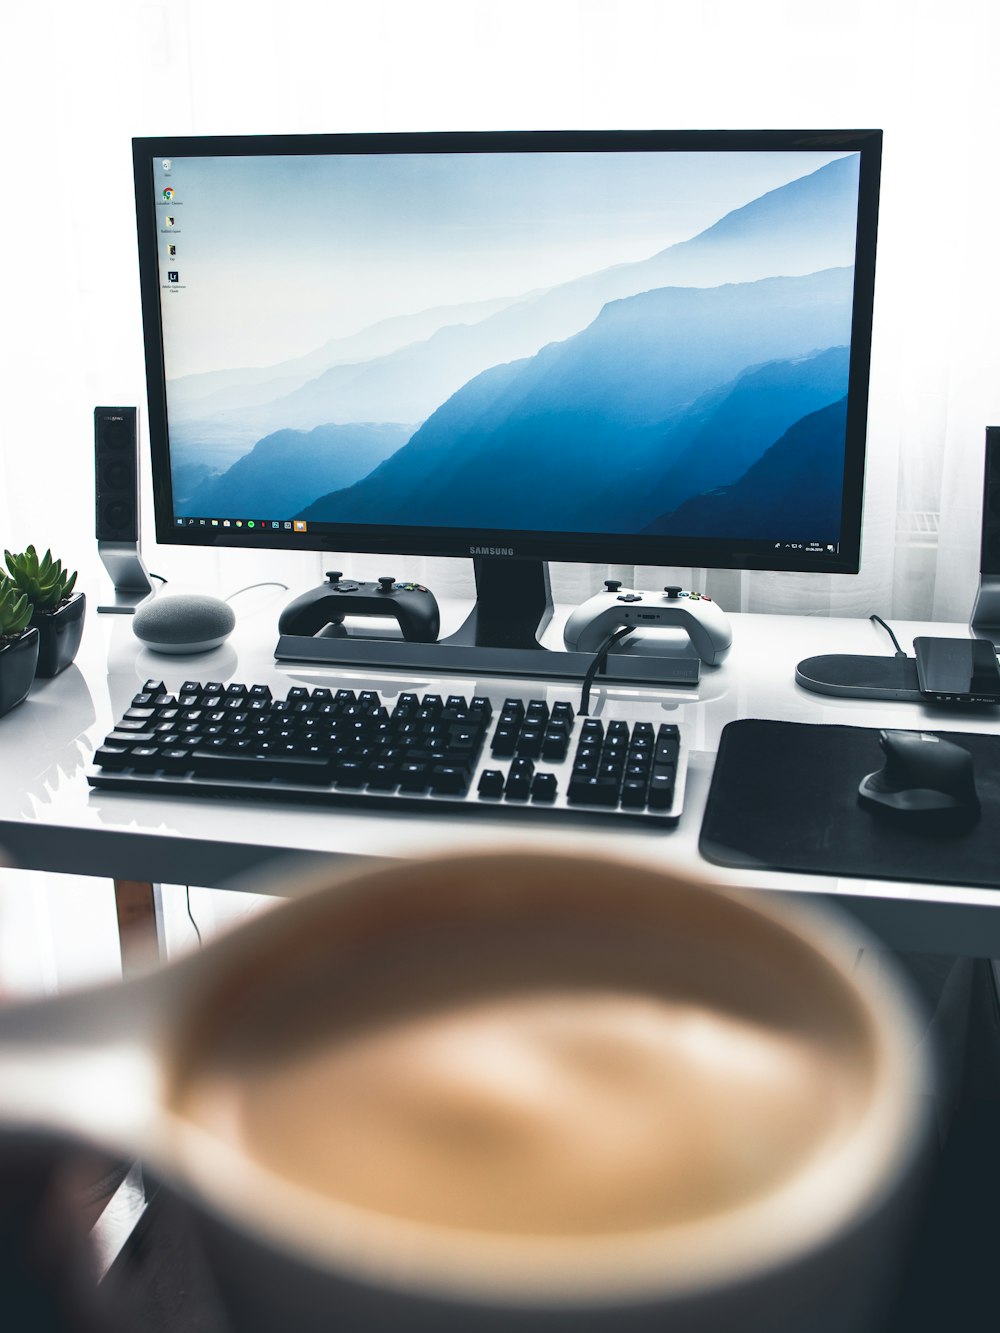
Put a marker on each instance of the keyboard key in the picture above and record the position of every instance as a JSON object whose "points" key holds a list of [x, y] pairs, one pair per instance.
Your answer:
{"points": [[414, 777], [145, 758], [529, 742], [504, 742], [593, 791], [123, 735], [518, 784], [351, 773], [661, 786], [252, 767], [448, 779], [175, 760], [112, 757], [381, 775], [633, 793]]}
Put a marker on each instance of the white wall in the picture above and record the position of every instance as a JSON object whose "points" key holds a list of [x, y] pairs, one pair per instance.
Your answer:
{"points": [[78, 79]]}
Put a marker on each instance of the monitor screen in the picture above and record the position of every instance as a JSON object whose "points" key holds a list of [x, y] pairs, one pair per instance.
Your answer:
{"points": [[642, 348]]}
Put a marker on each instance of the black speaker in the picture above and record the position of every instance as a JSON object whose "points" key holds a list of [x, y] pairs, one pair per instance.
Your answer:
{"points": [[116, 491], [116, 461], [985, 619], [989, 556]]}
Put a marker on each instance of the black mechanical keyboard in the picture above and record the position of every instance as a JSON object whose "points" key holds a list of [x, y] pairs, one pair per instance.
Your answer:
{"points": [[364, 747]]}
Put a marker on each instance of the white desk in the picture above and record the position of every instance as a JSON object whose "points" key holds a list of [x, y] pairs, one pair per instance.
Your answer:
{"points": [[50, 819]]}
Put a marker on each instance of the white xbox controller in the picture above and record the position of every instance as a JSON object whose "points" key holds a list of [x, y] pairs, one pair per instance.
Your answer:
{"points": [[591, 624]]}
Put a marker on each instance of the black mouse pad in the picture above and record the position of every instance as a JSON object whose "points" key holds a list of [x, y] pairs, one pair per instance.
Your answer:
{"points": [[784, 796]]}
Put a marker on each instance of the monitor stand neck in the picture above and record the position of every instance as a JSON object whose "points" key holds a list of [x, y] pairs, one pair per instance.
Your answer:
{"points": [[512, 608]]}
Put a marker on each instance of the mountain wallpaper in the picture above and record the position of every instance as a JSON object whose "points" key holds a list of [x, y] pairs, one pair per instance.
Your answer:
{"points": [[695, 387]]}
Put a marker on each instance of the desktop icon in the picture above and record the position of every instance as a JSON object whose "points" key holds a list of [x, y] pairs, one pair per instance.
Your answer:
{"points": [[299, 525], [171, 251], [173, 275], [168, 194], [169, 221], [166, 164]]}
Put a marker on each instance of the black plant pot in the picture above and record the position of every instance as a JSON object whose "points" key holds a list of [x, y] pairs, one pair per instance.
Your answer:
{"points": [[59, 634], [17, 668]]}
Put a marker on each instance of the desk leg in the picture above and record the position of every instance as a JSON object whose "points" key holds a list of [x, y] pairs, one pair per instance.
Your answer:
{"points": [[135, 904]]}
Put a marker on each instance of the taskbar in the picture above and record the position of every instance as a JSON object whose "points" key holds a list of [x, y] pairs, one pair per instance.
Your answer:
{"points": [[250, 524], [272, 527]]}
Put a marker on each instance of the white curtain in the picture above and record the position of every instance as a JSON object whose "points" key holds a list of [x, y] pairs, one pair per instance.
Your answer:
{"points": [[77, 80]]}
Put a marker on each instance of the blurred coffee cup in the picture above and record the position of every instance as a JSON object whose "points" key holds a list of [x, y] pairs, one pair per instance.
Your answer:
{"points": [[512, 1090]]}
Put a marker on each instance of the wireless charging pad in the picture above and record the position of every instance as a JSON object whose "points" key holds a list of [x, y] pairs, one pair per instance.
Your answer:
{"points": [[851, 676]]}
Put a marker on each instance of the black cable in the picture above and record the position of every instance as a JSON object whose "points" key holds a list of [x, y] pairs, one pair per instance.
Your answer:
{"points": [[187, 895], [600, 657], [895, 642], [157, 576]]}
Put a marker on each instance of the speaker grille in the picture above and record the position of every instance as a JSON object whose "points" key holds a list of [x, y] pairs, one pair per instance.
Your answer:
{"points": [[116, 462]]}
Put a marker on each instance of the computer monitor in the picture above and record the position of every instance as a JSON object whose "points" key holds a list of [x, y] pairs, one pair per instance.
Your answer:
{"points": [[644, 348]]}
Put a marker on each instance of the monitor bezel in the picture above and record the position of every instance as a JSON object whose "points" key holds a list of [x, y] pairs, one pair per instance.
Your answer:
{"points": [[588, 548]]}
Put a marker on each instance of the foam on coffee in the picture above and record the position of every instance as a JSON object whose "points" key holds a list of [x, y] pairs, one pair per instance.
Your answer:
{"points": [[546, 1052]]}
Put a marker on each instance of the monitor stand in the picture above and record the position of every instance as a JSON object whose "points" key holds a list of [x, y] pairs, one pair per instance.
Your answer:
{"points": [[500, 636]]}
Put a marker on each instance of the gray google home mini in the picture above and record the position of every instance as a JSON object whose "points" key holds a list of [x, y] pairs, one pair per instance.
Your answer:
{"points": [[183, 623]]}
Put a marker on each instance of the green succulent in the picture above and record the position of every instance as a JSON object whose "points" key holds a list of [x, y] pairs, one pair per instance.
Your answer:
{"points": [[44, 582], [15, 609]]}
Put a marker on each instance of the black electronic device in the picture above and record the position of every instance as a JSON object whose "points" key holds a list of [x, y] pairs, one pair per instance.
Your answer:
{"points": [[116, 495], [957, 671], [413, 606], [432, 370], [520, 756], [985, 618], [860, 676], [926, 783]]}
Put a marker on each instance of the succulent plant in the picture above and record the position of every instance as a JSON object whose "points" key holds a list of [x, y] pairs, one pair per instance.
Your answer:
{"points": [[44, 582], [15, 610]]}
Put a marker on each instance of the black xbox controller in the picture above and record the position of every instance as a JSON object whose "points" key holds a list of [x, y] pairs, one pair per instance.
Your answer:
{"points": [[414, 607]]}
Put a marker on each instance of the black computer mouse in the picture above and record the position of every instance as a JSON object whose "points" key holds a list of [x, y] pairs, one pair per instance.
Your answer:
{"points": [[926, 784]]}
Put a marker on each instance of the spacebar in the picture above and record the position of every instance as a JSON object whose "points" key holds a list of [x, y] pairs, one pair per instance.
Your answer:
{"points": [[260, 768]]}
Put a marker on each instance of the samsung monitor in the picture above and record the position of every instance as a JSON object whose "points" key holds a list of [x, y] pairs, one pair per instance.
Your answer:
{"points": [[644, 348]]}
